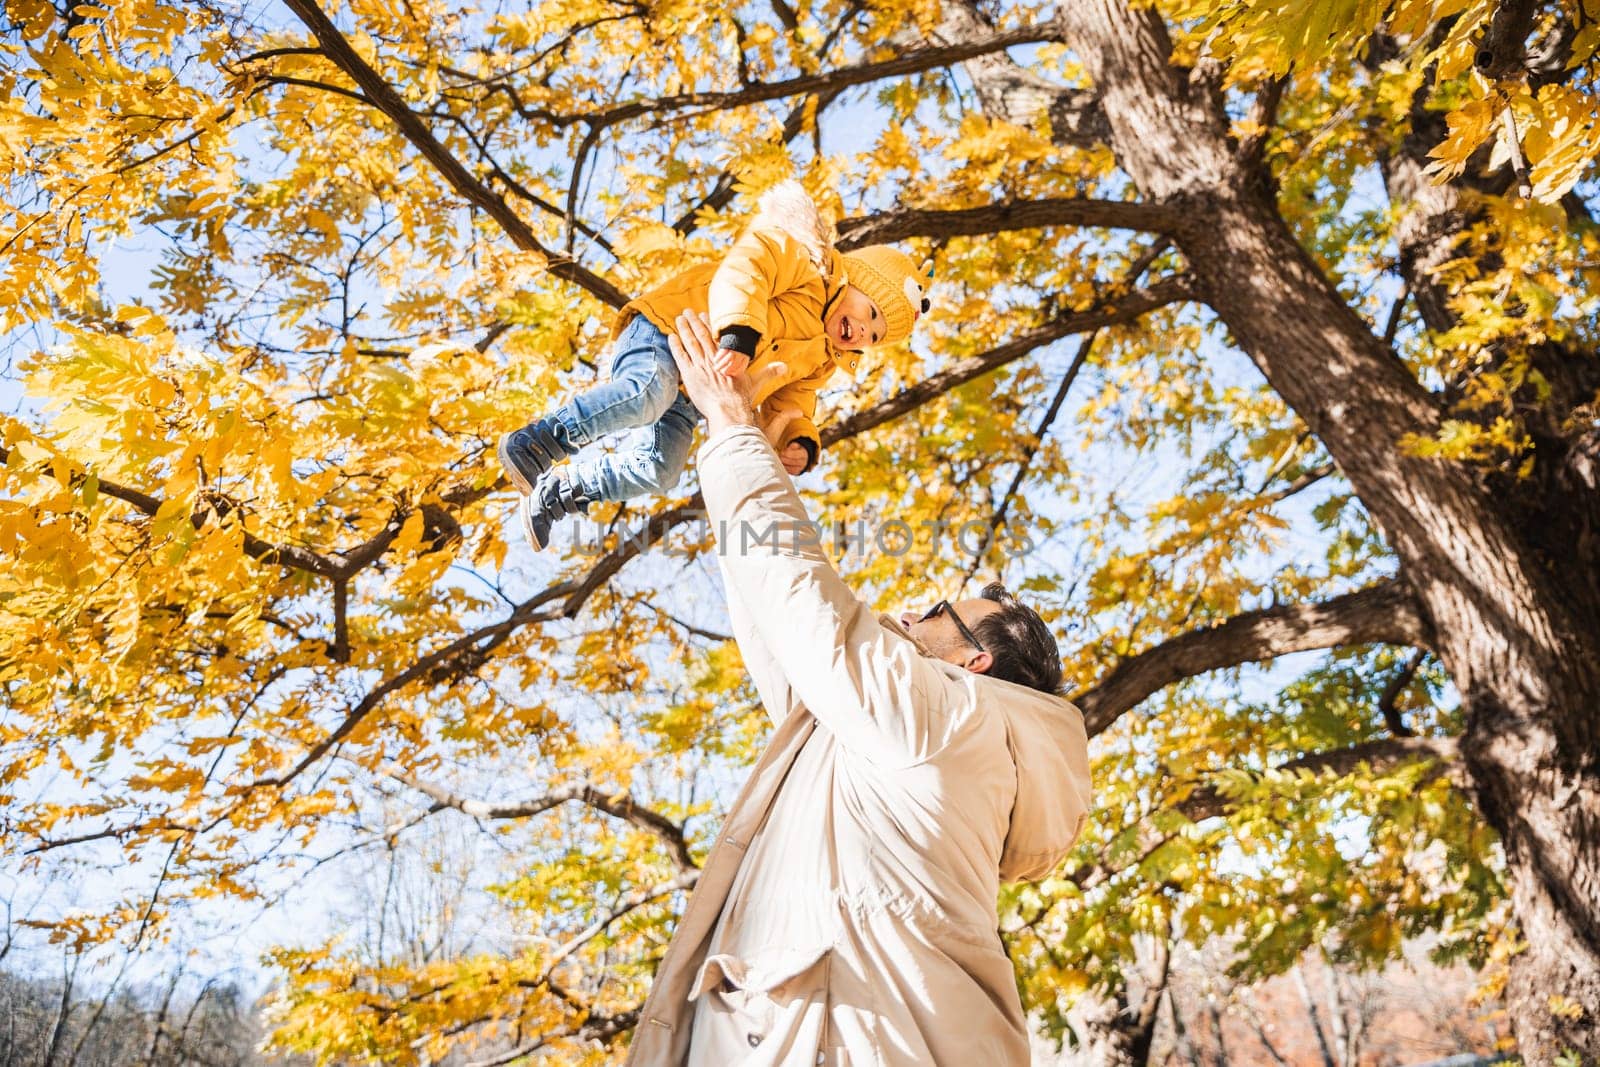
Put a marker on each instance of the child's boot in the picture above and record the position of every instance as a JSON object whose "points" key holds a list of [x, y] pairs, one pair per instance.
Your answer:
{"points": [[527, 453], [553, 498]]}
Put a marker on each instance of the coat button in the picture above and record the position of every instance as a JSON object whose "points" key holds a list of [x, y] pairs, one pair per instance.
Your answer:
{"points": [[754, 1039]]}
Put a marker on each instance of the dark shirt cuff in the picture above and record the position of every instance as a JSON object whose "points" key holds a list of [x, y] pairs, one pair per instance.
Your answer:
{"points": [[811, 448], [741, 339]]}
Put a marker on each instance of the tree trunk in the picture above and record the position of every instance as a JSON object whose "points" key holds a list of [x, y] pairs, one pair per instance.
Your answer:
{"points": [[1309, 1002], [1518, 640], [1180, 1033], [1534, 763], [1508, 575], [1118, 1032], [1547, 811]]}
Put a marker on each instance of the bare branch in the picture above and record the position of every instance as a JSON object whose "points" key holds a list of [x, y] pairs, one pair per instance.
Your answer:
{"points": [[998, 518], [1263, 113], [630, 903], [621, 807], [688, 627], [1385, 613], [722, 192], [168, 149], [1306, 480], [1388, 703], [1391, 328]]}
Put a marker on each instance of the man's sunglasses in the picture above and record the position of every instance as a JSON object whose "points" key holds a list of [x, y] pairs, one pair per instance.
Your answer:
{"points": [[943, 606]]}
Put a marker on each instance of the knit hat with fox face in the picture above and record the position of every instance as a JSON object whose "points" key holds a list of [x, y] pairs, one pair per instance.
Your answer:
{"points": [[892, 281]]}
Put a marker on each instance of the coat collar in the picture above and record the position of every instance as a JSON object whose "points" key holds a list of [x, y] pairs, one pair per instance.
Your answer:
{"points": [[892, 624]]}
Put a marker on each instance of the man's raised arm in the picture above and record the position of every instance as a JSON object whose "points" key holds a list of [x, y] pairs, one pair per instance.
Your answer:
{"points": [[872, 688]]}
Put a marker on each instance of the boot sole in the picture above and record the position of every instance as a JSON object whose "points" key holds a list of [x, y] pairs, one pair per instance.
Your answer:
{"points": [[525, 510], [503, 450]]}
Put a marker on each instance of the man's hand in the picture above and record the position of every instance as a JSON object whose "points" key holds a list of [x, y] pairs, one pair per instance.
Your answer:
{"points": [[723, 400], [794, 458], [732, 362]]}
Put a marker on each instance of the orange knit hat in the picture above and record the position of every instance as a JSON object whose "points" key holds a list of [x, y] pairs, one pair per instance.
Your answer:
{"points": [[892, 281]]}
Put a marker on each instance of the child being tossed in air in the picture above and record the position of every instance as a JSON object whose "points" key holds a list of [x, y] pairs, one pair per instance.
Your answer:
{"points": [[782, 295]]}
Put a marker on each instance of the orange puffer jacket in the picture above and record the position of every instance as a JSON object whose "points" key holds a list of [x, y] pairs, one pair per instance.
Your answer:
{"points": [[779, 279]]}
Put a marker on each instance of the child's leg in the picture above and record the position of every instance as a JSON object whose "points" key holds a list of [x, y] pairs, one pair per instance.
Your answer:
{"points": [[643, 382], [651, 462]]}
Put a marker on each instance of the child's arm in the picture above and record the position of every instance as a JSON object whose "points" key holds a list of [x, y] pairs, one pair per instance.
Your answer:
{"points": [[800, 397], [760, 265]]}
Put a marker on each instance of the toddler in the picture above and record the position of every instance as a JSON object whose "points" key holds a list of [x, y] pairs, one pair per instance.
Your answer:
{"points": [[783, 294]]}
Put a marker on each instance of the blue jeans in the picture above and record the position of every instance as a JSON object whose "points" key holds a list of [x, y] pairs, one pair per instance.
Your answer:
{"points": [[642, 396]]}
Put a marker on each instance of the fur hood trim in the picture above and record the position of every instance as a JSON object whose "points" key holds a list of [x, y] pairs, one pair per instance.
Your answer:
{"points": [[788, 207]]}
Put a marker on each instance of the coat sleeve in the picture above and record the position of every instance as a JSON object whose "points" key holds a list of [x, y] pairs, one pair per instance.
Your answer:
{"points": [[800, 396], [870, 687], [777, 695], [760, 265]]}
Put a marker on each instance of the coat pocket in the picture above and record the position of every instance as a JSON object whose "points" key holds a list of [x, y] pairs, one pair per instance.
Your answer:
{"points": [[768, 1008]]}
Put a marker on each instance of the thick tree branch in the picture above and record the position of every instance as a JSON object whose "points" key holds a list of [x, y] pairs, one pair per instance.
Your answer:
{"points": [[1121, 311], [1503, 51], [1386, 613], [1383, 756], [912, 61], [1015, 215], [384, 97], [1012, 93]]}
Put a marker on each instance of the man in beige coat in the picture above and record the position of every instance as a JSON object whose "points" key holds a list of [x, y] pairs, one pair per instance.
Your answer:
{"points": [[846, 913]]}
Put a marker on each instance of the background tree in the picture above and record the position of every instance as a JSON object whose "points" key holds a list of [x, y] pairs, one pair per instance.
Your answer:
{"points": [[1330, 269]]}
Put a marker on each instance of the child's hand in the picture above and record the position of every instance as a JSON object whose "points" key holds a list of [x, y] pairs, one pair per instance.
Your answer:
{"points": [[794, 458], [731, 362]]}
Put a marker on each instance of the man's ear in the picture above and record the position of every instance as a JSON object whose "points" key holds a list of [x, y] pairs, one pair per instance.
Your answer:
{"points": [[979, 663]]}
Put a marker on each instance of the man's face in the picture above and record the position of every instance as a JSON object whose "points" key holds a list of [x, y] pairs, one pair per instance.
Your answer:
{"points": [[855, 322], [940, 631]]}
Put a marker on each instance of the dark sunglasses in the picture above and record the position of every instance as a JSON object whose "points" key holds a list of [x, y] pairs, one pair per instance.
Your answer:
{"points": [[944, 605]]}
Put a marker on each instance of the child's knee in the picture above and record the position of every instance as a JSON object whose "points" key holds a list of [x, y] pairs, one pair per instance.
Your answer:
{"points": [[658, 474], [665, 478], [653, 393]]}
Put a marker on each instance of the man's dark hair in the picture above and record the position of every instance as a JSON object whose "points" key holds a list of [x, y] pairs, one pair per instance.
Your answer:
{"points": [[1022, 646]]}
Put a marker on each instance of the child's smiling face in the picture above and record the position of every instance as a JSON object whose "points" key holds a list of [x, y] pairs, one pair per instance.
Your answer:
{"points": [[855, 322]]}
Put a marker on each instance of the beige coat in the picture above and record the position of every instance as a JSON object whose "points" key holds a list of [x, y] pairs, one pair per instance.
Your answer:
{"points": [[846, 913]]}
